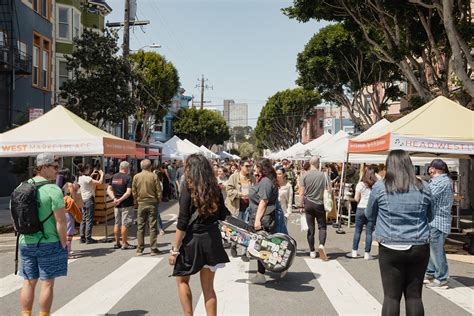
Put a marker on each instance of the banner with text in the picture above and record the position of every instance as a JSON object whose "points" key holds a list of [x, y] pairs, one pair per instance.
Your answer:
{"points": [[444, 146]]}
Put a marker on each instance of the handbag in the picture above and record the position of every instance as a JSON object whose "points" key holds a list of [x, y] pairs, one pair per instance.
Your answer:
{"points": [[280, 223], [72, 208], [303, 223], [75, 196], [327, 198]]}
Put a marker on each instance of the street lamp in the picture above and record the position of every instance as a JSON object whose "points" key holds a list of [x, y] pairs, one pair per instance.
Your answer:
{"points": [[154, 45]]}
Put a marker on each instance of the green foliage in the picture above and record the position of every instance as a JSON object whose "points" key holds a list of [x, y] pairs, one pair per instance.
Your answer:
{"points": [[202, 127], [240, 134], [281, 119], [246, 149], [99, 91], [339, 64], [234, 151], [159, 77]]}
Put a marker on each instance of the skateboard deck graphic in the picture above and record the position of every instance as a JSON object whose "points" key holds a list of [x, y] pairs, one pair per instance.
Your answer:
{"points": [[275, 251]]}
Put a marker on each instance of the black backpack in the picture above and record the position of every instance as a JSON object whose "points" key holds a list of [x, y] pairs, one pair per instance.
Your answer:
{"points": [[24, 207]]}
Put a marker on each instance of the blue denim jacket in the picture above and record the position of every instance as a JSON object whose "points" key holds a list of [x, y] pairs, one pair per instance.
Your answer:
{"points": [[401, 218]]}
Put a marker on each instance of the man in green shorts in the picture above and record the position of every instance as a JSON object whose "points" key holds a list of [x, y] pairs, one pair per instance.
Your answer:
{"points": [[44, 254]]}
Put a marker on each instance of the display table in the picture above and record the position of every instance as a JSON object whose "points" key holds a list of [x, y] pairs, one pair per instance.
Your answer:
{"points": [[104, 206]]}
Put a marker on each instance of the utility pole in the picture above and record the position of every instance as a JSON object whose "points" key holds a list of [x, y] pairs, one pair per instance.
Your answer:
{"points": [[203, 86], [125, 52], [340, 116]]}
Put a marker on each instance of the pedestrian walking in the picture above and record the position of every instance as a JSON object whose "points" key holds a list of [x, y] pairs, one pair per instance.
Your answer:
{"points": [[222, 180], [401, 206], [263, 198], [362, 193], [120, 190], [146, 191], [44, 254], [285, 192], [87, 186], [311, 194], [441, 186], [197, 246]]}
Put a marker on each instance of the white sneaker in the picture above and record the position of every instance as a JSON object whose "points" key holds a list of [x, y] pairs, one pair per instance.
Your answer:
{"points": [[368, 256], [354, 254], [322, 253], [312, 254]]}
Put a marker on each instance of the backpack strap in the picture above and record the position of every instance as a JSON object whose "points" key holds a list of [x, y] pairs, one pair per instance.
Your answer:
{"points": [[37, 185], [16, 252]]}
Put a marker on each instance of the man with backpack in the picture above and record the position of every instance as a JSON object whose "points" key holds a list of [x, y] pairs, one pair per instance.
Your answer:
{"points": [[39, 216]]}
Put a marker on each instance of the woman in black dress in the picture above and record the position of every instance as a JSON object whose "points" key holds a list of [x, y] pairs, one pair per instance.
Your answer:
{"points": [[263, 198], [197, 245]]}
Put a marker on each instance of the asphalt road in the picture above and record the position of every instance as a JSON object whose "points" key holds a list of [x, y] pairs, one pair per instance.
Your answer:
{"points": [[104, 281]]}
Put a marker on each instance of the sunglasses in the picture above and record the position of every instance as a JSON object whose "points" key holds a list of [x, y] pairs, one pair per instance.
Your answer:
{"points": [[247, 166], [56, 167]]}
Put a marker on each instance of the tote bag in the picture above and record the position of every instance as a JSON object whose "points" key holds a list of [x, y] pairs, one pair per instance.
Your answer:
{"points": [[327, 198]]}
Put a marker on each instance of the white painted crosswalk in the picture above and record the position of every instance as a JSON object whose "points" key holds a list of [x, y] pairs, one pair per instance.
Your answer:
{"points": [[12, 282], [347, 296], [231, 290], [104, 294], [344, 294]]}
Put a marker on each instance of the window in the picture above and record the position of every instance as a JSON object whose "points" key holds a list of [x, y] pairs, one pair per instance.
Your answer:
{"points": [[41, 7], [22, 50], [35, 65], [41, 62], [63, 23], [76, 25], [63, 73], [3, 38]]}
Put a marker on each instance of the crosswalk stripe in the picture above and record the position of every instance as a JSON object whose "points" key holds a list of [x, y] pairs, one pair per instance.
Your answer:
{"points": [[459, 294], [347, 296], [231, 290], [13, 282], [103, 295]]}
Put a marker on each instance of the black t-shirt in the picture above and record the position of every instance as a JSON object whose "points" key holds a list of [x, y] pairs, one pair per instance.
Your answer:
{"points": [[179, 173], [264, 190], [120, 183]]}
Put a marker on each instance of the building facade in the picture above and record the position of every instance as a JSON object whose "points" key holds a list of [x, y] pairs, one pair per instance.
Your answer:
{"points": [[235, 114], [163, 129], [313, 127]]}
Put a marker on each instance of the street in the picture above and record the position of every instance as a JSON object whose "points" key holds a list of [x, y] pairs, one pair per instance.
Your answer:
{"points": [[116, 282]]}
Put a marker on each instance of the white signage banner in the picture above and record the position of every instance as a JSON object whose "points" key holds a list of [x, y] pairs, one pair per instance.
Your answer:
{"points": [[57, 147], [444, 146]]}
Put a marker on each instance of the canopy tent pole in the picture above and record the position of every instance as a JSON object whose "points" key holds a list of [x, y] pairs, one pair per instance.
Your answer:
{"points": [[341, 195], [106, 237]]}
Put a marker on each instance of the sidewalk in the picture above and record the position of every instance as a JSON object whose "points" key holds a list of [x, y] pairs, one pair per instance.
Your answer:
{"points": [[5, 218]]}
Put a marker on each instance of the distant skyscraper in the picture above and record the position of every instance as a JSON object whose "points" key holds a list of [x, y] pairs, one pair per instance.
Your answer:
{"points": [[236, 114]]}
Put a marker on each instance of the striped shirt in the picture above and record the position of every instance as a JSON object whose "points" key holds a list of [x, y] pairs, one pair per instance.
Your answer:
{"points": [[442, 199]]}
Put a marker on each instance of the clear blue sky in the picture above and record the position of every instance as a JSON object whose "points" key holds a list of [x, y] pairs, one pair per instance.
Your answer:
{"points": [[246, 48]]}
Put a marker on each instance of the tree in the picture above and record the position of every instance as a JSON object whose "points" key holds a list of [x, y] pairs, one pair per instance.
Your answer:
{"points": [[340, 65], [99, 91], [281, 120], [202, 127], [158, 84], [246, 149], [411, 36]]}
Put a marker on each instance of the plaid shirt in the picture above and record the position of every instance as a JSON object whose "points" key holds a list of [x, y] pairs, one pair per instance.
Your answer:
{"points": [[442, 199]]}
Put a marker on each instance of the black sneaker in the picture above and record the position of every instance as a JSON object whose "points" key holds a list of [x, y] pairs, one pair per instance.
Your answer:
{"points": [[245, 258], [82, 241], [91, 241], [233, 251], [155, 252]]}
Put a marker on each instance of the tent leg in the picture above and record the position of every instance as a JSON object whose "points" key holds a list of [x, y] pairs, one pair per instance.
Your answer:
{"points": [[341, 195], [106, 237]]}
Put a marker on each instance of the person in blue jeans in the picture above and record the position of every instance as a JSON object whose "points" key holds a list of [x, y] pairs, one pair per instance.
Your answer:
{"points": [[362, 193], [436, 275]]}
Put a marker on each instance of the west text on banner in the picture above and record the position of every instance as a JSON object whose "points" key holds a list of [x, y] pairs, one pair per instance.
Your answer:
{"points": [[445, 146]]}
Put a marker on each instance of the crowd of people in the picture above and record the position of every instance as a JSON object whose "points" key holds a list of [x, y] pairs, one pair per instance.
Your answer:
{"points": [[411, 218]]}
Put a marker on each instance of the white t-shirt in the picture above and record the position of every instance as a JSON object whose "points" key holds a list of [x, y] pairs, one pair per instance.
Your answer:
{"points": [[364, 194], [87, 188]]}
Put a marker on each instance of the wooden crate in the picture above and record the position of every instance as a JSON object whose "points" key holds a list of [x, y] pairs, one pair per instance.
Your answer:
{"points": [[103, 204]]}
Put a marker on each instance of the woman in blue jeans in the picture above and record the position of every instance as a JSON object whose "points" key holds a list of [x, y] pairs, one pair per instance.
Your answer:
{"points": [[362, 193], [402, 205]]}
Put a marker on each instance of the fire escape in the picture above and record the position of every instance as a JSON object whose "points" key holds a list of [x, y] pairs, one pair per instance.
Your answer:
{"points": [[14, 61]]}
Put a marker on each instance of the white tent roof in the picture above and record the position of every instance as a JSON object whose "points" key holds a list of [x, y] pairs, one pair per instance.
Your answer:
{"points": [[309, 147], [168, 153], [63, 133], [208, 153], [224, 154], [181, 147], [236, 157], [292, 151], [327, 145]]}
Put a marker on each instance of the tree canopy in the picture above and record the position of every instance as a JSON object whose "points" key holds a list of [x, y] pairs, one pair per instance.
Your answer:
{"points": [[340, 65], [158, 84], [281, 120], [421, 38], [99, 91], [202, 127]]}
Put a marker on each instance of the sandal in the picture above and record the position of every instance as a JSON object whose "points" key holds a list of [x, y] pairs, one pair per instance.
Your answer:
{"points": [[129, 247], [117, 246]]}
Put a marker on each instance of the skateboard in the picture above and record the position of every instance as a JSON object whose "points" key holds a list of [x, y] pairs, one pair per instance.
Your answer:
{"points": [[275, 251]]}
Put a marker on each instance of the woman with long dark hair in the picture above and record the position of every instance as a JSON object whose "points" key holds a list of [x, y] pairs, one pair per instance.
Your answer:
{"points": [[402, 208], [263, 198], [362, 193], [197, 245]]}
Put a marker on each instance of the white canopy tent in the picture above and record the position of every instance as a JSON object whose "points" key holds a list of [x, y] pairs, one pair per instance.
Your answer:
{"points": [[292, 151], [208, 153], [236, 157], [225, 155], [181, 147], [63, 133], [305, 151], [166, 151], [329, 143]]}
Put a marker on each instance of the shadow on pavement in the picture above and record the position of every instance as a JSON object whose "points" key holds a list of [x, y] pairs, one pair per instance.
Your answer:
{"points": [[466, 281], [130, 313], [93, 252]]}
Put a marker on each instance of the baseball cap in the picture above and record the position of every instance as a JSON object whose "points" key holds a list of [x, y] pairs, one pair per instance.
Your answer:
{"points": [[45, 159]]}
